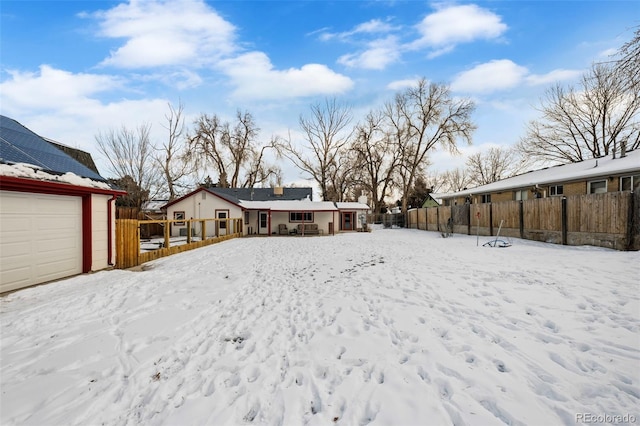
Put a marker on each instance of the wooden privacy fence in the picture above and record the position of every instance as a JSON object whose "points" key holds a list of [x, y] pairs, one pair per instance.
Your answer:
{"points": [[605, 220], [199, 233]]}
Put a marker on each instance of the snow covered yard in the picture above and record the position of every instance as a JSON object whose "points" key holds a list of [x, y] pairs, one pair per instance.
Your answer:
{"points": [[393, 327]]}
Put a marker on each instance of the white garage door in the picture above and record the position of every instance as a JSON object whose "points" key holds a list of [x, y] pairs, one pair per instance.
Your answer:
{"points": [[40, 238]]}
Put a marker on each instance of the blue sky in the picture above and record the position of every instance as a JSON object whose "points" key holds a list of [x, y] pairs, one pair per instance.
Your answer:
{"points": [[72, 69]]}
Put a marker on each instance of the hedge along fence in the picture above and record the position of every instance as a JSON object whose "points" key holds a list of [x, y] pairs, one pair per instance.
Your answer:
{"points": [[128, 253], [605, 220]]}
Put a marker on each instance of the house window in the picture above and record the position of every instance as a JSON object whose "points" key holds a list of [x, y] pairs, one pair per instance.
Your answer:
{"points": [[178, 216], [485, 198], [629, 183], [597, 186], [523, 194], [246, 218], [300, 217], [556, 190], [223, 223], [204, 195]]}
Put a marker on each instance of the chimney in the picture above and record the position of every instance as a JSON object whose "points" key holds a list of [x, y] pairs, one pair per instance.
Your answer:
{"points": [[623, 149], [278, 191]]}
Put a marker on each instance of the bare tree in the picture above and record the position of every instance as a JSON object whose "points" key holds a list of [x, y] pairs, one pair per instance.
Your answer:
{"points": [[456, 180], [629, 63], [586, 123], [234, 152], [259, 171], [422, 118], [327, 137], [129, 154], [172, 157], [495, 164], [376, 159]]}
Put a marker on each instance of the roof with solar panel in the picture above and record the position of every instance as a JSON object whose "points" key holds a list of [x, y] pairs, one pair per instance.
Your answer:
{"points": [[19, 145]]}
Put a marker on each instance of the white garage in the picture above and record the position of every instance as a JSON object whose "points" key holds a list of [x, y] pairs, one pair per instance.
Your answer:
{"points": [[41, 238], [57, 214]]}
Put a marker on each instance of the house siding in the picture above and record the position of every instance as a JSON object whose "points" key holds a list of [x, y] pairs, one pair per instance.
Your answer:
{"points": [[199, 207], [99, 232]]}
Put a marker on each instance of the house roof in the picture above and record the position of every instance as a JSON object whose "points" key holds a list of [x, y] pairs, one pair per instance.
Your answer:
{"points": [[352, 206], [20, 145], [290, 205], [154, 205], [82, 156], [587, 169], [235, 195]]}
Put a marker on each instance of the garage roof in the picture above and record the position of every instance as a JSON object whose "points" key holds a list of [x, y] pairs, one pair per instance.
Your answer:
{"points": [[20, 145]]}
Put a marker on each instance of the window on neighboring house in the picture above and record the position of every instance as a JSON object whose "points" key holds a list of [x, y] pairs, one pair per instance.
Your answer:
{"points": [[556, 190], [300, 217], [178, 216], [629, 183], [246, 218], [520, 195], [204, 195], [597, 186], [485, 198]]}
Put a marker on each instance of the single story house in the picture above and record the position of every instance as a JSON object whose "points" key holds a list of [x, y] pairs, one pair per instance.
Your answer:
{"points": [[596, 175], [57, 215], [265, 211]]}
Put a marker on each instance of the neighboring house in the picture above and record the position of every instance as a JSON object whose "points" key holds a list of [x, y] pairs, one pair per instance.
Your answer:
{"points": [[353, 216], [429, 201], [596, 175], [265, 211], [57, 216]]}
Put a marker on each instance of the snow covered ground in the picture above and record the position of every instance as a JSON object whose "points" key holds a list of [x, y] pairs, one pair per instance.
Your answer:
{"points": [[393, 327]]}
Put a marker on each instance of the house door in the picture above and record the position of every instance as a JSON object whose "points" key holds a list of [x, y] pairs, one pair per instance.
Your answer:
{"points": [[263, 223], [221, 224], [347, 221]]}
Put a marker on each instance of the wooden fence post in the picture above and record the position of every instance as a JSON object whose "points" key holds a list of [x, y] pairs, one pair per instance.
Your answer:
{"points": [[167, 234], [521, 208], [563, 218], [490, 219], [630, 221]]}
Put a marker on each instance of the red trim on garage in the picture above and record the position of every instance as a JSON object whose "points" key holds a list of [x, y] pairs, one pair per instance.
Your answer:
{"points": [[87, 255], [11, 183]]}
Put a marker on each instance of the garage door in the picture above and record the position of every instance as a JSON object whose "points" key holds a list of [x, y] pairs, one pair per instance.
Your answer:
{"points": [[40, 238]]}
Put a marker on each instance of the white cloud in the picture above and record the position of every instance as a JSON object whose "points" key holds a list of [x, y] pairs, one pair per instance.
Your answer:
{"points": [[457, 24], [374, 26], [489, 77], [377, 56], [255, 78], [165, 32], [63, 106], [52, 89], [552, 77], [403, 84]]}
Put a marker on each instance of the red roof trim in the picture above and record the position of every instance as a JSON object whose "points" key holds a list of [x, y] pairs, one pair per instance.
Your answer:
{"points": [[12, 183]]}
